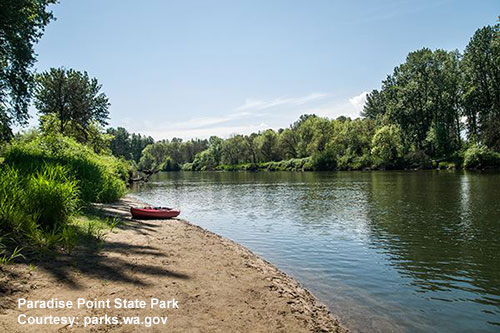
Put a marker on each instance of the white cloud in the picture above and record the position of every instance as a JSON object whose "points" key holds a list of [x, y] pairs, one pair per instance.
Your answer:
{"points": [[248, 118], [204, 133], [359, 101], [256, 104], [201, 122]]}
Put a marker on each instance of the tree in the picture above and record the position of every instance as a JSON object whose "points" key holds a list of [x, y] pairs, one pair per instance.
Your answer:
{"points": [[22, 23], [120, 144], [234, 150], [374, 106], [351, 142], [287, 143], [137, 145], [387, 147], [95, 136], [481, 65], [267, 143], [153, 156], [72, 96], [422, 96]]}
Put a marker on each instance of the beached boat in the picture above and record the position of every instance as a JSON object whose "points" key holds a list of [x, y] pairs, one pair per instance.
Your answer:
{"points": [[154, 212]]}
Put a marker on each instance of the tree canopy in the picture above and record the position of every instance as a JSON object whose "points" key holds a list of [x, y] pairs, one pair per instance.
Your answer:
{"points": [[73, 96], [22, 23]]}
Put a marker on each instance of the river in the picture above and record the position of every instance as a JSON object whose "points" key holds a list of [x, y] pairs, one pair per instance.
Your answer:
{"points": [[387, 251]]}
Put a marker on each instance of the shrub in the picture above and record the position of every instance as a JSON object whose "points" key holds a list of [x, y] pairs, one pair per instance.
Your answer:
{"points": [[45, 199], [101, 178], [13, 216], [444, 165], [187, 167], [479, 156], [170, 165], [387, 147], [51, 197], [418, 160], [324, 160]]}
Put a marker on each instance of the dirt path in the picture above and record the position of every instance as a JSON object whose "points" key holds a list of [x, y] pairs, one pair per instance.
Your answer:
{"points": [[219, 285]]}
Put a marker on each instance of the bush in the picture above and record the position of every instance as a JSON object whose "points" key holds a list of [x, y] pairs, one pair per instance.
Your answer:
{"points": [[418, 160], [444, 165], [51, 197], [170, 165], [101, 178], [324, 160], [187, 167], [44, 180], [387, 147], [13, 216], [33, 207], [479, 156]]}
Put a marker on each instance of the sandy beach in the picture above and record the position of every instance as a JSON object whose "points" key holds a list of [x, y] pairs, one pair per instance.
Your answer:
{"points": [[219, 286]]}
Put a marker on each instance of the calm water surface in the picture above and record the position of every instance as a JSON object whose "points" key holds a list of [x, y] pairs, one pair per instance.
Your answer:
{"points": [[387, 251]]}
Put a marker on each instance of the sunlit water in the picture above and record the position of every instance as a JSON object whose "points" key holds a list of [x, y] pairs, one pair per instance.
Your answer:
{"points": [[386, 251]]}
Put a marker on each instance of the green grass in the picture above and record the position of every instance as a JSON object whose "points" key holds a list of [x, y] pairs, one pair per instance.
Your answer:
{"points": [[101, 178], [46, 186]]}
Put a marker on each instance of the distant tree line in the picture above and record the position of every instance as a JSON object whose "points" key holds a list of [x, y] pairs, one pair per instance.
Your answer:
{"points": [[126, 145], [437, 109]]}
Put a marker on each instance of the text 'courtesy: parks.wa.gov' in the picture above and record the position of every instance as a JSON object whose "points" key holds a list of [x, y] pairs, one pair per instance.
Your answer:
{"points": [[50, 309]]}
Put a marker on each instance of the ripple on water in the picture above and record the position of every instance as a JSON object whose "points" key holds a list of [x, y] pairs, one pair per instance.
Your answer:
{"points": [[387, 251]]}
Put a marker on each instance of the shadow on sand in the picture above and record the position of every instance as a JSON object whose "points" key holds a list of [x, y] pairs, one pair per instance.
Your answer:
{"points": [[97, 259]]}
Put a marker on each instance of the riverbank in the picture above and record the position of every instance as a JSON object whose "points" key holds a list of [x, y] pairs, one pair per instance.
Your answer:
{"points": [[220, 286]]}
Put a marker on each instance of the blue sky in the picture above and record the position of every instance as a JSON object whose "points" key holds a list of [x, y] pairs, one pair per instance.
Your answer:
{"points": [[201, 68]]}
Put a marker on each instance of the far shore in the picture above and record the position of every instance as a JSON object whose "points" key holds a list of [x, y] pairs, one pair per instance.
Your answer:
{"points": [[219, 285]]}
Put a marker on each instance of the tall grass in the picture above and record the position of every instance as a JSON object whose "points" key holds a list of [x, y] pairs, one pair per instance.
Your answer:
{"points": [[34, 206], [13, 215], [44, 181], [100, 178], [51, 196]]}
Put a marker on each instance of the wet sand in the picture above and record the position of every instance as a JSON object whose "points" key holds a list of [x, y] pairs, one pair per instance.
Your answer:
{"points": [[219, 285]]}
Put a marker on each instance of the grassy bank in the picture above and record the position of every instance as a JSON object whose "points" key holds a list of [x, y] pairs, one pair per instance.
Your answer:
{"points": [[46, 186]]}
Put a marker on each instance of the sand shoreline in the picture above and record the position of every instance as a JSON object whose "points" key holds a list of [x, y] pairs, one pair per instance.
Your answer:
{"points": [[220, 285]]}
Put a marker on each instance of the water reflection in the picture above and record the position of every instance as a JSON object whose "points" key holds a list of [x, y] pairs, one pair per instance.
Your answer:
{"points": [[400, 251], [441, 230]]}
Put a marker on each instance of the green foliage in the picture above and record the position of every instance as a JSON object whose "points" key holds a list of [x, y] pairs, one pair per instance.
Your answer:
{"points": [[93, 136], [74, 97], [387, 147], [170, 165], [416, 118], [481, 100], [22, 24], [266, 144], [50, 196], [324, 160], [445, 165], [69, 238], [422, 97], [126, 145], [417, 159], [479, 156], [101, 178], [33, 207], [170, 155], [6, 259], [14, 217], [351, 142], [189, 167], [294, 164]]}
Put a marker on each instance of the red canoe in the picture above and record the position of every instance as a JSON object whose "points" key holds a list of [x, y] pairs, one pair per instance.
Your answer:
{"points": [[154, 212]]}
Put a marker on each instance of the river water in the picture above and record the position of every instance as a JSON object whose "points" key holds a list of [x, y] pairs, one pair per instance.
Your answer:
{"points": [[386, 251]]}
